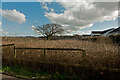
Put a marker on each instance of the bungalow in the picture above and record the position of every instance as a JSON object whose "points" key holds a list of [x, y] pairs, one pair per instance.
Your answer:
{"points": [[115, 31], [106, 32]]}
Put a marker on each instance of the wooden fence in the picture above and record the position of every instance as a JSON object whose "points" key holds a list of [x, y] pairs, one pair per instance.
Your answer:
{"points": [[45, 49]]}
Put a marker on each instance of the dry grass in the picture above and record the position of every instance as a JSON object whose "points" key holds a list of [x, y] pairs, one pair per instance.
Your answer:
{"points": [[101, 53]]}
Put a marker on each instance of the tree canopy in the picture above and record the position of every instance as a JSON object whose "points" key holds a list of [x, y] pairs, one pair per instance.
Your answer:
{"points": [[49, 30]]}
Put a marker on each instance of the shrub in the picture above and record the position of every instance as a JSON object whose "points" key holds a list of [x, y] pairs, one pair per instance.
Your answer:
{"points": [[115, 38]]}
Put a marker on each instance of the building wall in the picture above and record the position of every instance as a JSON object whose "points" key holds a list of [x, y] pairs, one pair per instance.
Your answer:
{"points": [[95, 34]]}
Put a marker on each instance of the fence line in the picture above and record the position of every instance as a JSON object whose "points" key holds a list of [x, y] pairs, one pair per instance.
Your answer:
{"points": [[70, 49], [63, 49]]}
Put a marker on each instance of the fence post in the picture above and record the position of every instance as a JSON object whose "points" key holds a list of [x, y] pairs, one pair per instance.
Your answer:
{"points": [[14, 53], [84, 60], [44, 53]]}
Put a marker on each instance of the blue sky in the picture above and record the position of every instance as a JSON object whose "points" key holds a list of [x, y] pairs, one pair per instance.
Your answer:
{"points": [[34, 15], [19, 0], [35, 12]]}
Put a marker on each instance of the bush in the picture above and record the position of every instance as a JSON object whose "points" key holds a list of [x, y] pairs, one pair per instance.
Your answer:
{"points": [[115, 39], [94, 39]]}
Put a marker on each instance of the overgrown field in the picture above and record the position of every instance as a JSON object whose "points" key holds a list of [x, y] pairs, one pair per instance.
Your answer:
{"points": [[102, 57], [101, 52]]}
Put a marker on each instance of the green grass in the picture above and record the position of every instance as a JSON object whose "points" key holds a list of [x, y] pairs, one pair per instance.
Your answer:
{"points": [[33, 74]]}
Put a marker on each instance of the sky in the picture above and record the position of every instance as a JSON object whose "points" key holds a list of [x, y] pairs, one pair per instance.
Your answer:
{"points": [[20, 18]]}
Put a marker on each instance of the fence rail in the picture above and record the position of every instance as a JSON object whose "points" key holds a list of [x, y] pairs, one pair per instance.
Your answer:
{"points": [[70, 49], [7, 45]]}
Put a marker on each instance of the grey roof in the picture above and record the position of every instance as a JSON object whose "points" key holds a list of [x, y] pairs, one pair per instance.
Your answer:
{"points": [[102, 32], [116, 30]]}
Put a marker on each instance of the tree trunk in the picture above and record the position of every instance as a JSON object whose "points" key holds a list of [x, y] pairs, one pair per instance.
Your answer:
{"points": [[48, 37]]}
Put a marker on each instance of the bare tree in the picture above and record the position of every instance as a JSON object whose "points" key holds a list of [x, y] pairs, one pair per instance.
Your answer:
{"points": [[49, 30]]}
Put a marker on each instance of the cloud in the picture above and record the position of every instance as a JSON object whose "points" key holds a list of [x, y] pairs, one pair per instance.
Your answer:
{"points": [[14, 16], [3, 32], [37, 31], [33, 27], [45, 0], [44, 6], [78, 0], [78, 15], [52, 10], [0, 23]]}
